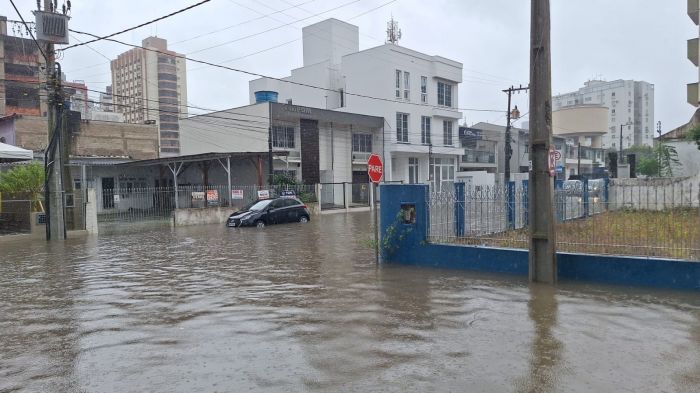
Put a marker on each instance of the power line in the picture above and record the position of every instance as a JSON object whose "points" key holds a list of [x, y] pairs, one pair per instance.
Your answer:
{"points": [[274, 28], [279, 79], [29, 30], [239, 24], [138, 26]]}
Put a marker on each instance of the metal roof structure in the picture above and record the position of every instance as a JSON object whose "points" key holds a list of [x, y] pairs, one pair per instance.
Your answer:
{"points": [[199, 157]]}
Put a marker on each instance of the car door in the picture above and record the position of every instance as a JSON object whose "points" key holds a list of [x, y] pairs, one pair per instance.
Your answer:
{"points": [[291, 206], [275, 213]]}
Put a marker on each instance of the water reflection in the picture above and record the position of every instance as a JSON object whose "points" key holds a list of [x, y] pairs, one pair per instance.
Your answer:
{"points": [[546, 349]]}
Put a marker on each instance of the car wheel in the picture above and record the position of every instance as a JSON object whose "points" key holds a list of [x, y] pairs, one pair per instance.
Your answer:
{"points": [[260, 224], [303, 219]]}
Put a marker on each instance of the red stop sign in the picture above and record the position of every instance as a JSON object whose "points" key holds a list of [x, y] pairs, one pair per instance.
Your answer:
{"points": [[375, 168]]}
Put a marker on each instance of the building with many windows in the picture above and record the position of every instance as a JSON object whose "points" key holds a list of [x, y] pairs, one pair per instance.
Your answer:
{"points": [[416, 94], [630, 109], [149, 84]]}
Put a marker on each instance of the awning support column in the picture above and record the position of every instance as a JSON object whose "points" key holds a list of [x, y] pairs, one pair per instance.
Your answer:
{"points": [[227, 168], [175, 169]]}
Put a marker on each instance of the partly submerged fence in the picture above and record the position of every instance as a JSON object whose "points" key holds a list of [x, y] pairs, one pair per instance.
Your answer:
{"points": [[20, 212], [640, 218]]}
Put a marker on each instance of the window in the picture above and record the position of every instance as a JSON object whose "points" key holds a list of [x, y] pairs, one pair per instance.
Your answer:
{"points": [[402, 127], [398, 83], [342, 98], [412, 170], [406, 85], [444, 94], [362, 143], [425, 130], [613, 94], [442, 173], [447, 132], [283, 137], [424, 89], [613, 111]]}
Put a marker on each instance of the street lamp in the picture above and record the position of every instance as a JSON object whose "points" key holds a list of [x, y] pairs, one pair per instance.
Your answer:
{"points": [[619, 158]]}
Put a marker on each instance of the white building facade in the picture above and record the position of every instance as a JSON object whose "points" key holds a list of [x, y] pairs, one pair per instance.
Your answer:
{"points": [[416, 94], [631, 109]]}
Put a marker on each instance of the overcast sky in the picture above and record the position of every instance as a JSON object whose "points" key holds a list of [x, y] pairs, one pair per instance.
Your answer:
{"points": [[608, 39]]}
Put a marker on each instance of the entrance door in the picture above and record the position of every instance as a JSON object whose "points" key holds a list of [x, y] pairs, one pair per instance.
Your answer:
{"points": [[360, 187], [107, 192]]}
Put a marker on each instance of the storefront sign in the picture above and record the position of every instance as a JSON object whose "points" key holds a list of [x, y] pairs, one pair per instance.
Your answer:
{"points": [[197, 195], [212, 197], [296, 109]]}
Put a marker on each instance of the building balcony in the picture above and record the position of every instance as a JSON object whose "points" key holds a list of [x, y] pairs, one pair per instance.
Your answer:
{"points": [[693, 10], [693, 91], [293, 156], [693, 50], [360, 158], [448, 112], [478, 158]]}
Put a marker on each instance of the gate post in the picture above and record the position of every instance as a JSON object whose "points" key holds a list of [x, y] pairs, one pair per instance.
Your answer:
{"points": [[459, 209], [559, 199], [510, 204], [585, 197], [526, 207]]}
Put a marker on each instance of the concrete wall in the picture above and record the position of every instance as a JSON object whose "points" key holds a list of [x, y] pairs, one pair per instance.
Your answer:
{"points": [[408, 246], [655, 194], [212, 215], [241, 129], [95, 138]]}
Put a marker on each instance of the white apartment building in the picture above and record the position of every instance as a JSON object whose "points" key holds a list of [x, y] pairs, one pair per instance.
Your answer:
{"points": [[415, 93], [151, 85], [693, 89], [630, 109]]}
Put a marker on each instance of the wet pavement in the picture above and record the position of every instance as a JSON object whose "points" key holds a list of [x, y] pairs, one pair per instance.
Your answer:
{"points": [[302, 307]]}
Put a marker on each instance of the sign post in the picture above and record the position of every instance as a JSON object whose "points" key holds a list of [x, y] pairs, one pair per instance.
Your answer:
{"points": [[375, 171]]}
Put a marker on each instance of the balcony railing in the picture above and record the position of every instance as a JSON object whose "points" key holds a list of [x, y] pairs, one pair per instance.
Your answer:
{"points": [[479, 157]]}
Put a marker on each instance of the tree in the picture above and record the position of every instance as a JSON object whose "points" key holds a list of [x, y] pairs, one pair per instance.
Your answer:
{"points": [[25, 179], [694, 135], [657, 161]]}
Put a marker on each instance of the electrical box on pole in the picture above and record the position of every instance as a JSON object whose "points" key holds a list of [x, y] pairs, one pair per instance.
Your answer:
{"points": [[51, 27]]}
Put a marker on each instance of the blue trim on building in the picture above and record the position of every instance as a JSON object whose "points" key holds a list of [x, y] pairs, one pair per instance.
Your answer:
{"points": [[409, 247]]}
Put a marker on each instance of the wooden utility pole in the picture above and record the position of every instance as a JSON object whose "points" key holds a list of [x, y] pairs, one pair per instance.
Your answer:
{"points": [[542, 255], [508, 138]]}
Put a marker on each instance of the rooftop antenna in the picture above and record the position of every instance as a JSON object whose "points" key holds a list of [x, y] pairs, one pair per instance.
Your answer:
{"points": [[393, 33]]}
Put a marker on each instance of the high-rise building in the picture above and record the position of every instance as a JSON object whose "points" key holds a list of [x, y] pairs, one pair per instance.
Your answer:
{"points": [[630, 109], [150, 84], [107, 100]]}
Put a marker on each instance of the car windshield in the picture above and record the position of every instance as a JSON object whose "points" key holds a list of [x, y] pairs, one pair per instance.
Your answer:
{"points": [[260, 205]]}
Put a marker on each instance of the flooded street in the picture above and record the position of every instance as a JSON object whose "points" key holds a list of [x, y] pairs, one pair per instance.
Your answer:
{"points": [[302, 307]]}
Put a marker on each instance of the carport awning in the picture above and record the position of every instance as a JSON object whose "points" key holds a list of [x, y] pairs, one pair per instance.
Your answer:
{"points": [[200, 157], [9, 153]]}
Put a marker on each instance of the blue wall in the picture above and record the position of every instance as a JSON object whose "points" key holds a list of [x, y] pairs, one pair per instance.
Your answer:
{"points": [[408, 247]]}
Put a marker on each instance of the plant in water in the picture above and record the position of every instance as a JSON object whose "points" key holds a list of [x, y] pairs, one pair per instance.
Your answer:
{"points": [[25, 179], [395, 233]]}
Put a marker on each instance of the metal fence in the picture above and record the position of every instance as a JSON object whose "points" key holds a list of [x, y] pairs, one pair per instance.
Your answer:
{"points": [[20, 212], [659, 219]]}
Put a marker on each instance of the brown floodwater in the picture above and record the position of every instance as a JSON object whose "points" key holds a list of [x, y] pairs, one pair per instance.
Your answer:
{"points": [[302, 307]]}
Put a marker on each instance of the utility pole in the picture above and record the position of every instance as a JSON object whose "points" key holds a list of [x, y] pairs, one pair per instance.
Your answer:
{"points": [[578, 171], [542, 255], [53, 165], [510, 113], [619, 156]]}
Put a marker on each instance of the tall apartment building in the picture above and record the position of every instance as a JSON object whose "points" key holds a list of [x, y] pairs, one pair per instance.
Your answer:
{"points": [[630, 105], [150, 86], [415, 93], [21, 72]]}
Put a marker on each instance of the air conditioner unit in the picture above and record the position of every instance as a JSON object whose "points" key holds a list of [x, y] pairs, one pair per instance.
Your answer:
{"points": [[51, 27]]}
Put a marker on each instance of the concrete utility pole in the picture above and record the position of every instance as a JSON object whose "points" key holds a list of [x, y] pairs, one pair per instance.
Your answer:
{"points": [[508, 148], [542, 255], [55, 225]]}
